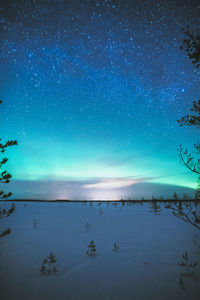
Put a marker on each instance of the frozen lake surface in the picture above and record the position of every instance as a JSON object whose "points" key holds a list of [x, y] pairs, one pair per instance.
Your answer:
{"points": [[144, 263]]}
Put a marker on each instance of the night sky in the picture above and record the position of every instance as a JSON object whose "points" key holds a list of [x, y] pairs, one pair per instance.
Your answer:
{"points": [[92, 91]]}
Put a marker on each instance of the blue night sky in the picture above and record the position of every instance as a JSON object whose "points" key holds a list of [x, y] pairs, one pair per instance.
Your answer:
{"points": [[92, 91]]}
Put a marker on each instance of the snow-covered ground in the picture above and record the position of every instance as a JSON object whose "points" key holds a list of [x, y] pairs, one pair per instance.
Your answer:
{"points": [[144, 267]]}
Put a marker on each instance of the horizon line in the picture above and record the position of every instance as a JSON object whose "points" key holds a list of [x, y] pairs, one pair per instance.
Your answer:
{"points": [[114, 200]]}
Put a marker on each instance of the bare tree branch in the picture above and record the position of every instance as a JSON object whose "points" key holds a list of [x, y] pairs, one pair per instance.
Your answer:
{"points": [[192, 163]]}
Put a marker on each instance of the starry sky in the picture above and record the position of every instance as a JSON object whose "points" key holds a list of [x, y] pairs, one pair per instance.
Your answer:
{"points": [[92, 91]]}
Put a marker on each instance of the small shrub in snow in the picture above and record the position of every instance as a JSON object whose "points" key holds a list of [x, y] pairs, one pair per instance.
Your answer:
{"points": [[87, 226], [48, 266], [35, 223], [188, 267], [115, 247], [92, 249]]}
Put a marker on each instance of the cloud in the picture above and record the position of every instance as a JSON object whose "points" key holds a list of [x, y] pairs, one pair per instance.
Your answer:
{"points": [[111, 183], [95, 189]]}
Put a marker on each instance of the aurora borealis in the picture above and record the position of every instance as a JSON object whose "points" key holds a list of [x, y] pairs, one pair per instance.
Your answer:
{"points": [[92, 91]]}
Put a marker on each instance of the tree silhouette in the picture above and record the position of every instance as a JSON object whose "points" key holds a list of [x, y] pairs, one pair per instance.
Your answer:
{"points": [[194, 118], [5, 178], [191, 44], [4, 175]]}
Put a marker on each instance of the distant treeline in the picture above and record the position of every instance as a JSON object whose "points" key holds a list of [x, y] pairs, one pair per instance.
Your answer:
{"points": [[105, 201]]}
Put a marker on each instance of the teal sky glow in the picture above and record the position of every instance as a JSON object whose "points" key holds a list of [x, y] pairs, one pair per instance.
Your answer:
{"points": [[92, 91]]}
